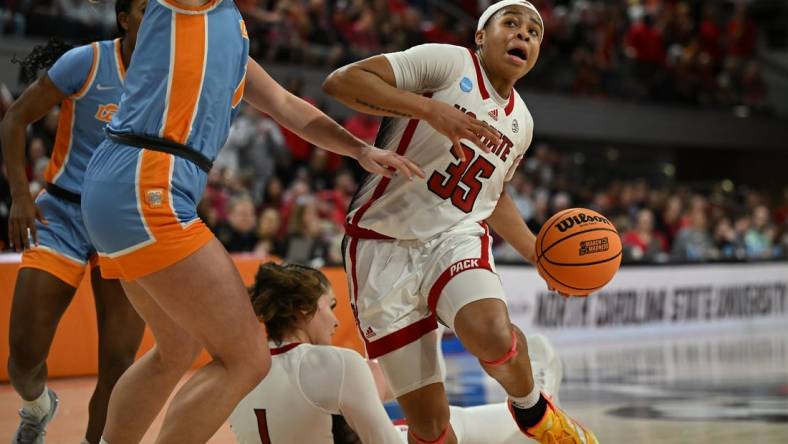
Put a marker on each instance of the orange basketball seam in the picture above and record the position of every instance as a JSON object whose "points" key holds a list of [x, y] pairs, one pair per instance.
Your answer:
{"points": [[544, 251], [545, 230], [539, 264], [584, 263]]}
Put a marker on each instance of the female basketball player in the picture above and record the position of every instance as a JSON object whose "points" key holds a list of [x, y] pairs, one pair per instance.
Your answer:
{"points": [[139, 203], [87, 83], [310, 380], [420, 252]]}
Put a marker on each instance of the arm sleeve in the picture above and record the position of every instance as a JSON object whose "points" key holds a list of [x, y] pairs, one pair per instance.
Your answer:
{"points": [[339, 381], [429, 67], [71, 70], [360, 405]]}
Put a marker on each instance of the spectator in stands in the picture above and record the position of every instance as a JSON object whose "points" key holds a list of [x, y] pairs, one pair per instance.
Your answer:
{"points": [[438, 30], [254, 147], [333, 203], [741, 33], [781, 213], [644, 243], [759, 239], [238, 233], [304, 243], [363, 126], [38, 161], [643, 44], [783, 241], [12, 18], [693, 243], [268, 226], [709, 33], [273, 197], [727, 242], [300, 149], [753, 88], [671, 222]]}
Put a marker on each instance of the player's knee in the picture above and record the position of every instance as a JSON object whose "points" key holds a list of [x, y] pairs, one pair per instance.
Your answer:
{"points": [[176, 356], [494, 336], [113, 363], [430, 427], [24, 358]]}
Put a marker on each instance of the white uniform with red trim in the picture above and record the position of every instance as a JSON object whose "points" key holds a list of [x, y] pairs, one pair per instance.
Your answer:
{"points": [[418, 250], [305, 386]]}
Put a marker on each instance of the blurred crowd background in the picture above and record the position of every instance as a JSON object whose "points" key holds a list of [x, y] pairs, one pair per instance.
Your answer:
{"points": [[271, 193], [698, 52]]}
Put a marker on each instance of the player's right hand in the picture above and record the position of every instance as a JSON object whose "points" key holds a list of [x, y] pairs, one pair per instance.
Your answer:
{"points": [[22, 220], [385, 163], [456, 125]]}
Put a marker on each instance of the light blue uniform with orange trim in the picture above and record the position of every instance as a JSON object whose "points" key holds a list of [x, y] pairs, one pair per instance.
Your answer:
{"points": [[185, 82], [92, 77]]}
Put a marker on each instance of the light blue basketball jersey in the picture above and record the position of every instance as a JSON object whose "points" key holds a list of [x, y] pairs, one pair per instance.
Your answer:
{"points": [[92, 77], [187, 75]]}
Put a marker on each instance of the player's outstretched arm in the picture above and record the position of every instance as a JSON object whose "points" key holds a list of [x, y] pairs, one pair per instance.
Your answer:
{"points": [[370, 86], [31, 106], [507, 222], [311, 124]]}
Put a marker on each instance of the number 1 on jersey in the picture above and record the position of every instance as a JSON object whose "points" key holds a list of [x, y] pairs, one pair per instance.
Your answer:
{"points": [[469, 173]]}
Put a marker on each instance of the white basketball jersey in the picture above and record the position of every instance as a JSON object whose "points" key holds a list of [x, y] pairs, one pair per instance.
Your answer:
{"points": [[454, 192], [305, 386]]}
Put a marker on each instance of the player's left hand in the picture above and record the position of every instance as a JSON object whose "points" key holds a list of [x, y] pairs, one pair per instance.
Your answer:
{"points": [[549, 287], [387, 163]]}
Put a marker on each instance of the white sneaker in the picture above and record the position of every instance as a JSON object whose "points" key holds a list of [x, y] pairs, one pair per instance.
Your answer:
{"points": [[31, 430], [546, 365]]}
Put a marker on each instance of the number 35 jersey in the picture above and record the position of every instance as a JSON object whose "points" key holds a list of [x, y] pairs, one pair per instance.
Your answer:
{"points": [[454, 192]]}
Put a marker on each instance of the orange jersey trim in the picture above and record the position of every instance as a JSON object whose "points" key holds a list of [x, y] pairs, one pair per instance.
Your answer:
{"points": [[172, 240], [239, 91], [63, 141], [119, 60], [92, 74], [187, 65], [63, 268]]}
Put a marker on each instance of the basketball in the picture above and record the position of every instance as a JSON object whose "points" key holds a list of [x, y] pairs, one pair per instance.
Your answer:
{"points": [[578, 251]]}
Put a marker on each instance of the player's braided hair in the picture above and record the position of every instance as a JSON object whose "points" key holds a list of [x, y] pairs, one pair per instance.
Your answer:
{"points": [[41, 57], [280, 292]]}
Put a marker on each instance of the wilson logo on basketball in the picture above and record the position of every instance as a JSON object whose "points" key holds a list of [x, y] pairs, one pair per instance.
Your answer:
{"points": [[594, 246], [579, 219]]}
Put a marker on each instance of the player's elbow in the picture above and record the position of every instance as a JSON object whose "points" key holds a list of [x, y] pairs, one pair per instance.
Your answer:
{"points": [[13, 118], [332, 86]]}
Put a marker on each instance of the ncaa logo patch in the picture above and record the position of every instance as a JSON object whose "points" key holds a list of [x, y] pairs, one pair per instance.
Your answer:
{"points": [[466, 84], [515, 126]]}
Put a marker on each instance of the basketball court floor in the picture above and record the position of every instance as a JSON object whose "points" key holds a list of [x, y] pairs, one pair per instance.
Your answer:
{"points": [[724, 387]]}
